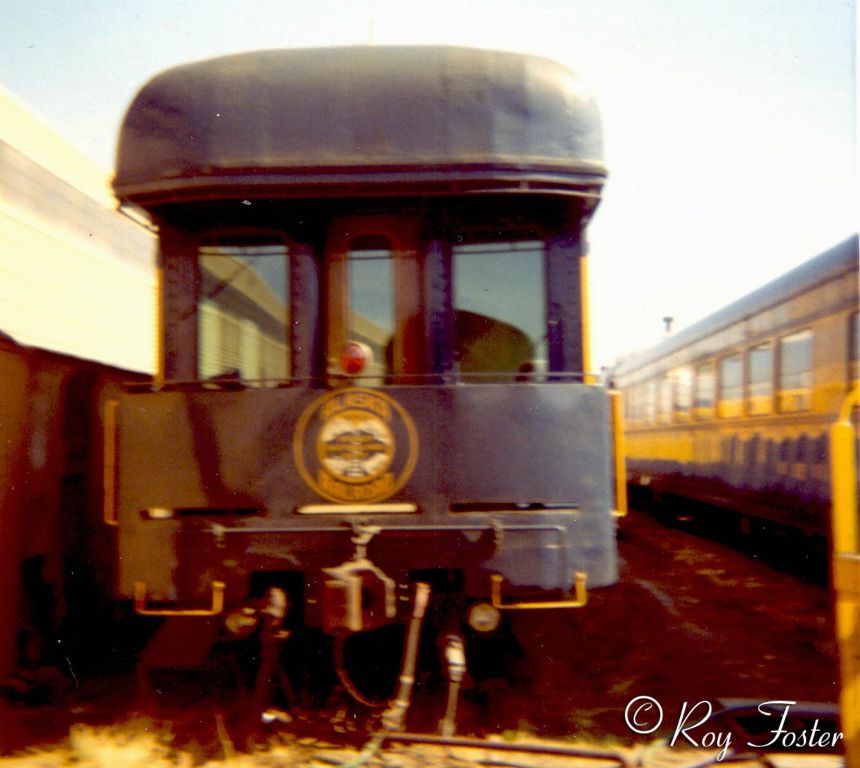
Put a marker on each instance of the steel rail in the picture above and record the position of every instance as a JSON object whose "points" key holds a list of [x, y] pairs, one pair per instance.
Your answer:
{"points": [[507, 746]]}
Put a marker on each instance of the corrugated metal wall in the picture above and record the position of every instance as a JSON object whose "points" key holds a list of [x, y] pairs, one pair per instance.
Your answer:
{"points": [[76, 276]]}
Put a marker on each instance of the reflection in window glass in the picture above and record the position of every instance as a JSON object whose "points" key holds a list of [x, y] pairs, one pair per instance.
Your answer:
{"points": [[500, 307], [706, 386], [760, 367], [731, 386], [371, 317], [243, 314], [795, 371]]}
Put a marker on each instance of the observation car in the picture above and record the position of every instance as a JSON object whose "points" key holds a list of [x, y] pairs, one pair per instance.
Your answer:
{"points": [[374, 340], [734, 412]]}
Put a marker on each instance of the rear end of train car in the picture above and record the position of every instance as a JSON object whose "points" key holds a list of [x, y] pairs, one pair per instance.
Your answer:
{"points": [[374, 340]]}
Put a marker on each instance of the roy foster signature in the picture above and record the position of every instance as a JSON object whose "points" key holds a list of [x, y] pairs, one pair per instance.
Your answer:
{"points": [[644, 715]]}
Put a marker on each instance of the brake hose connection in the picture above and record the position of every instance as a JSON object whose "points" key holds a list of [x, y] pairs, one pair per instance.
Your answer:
{"points": [[394, 717], [455, 659]]}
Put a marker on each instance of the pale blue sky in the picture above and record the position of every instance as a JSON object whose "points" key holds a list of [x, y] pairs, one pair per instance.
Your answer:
{"points": [[730, 125]]}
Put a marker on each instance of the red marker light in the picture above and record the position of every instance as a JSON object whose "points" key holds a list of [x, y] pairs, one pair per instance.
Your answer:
{"points": [[354, 357]]}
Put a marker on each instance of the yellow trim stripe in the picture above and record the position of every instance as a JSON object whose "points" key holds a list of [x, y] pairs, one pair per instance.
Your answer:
{"points": [[109, 473], [357, 509], [618, 452], [588, 378], [160, 323]]}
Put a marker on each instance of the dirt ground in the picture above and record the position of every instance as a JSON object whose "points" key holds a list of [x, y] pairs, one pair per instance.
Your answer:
{"points": [[691, 620]]}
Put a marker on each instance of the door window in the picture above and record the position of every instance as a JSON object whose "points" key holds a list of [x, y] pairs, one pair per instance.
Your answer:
{"points": [[374, 321], [371, 316]]}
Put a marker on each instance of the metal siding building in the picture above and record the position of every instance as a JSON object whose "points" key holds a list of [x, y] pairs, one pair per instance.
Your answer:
{"points": [[76, 277]]}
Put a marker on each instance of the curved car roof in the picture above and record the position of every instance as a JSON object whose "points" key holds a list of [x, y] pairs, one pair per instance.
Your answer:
{"points": [[324, 119], [840, 258]]}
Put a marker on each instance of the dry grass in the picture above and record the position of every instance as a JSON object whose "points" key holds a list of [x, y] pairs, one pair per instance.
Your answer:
{"points": [[142, 744]]}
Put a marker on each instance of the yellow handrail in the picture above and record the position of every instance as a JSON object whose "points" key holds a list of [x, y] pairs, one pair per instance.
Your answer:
{"points": [[217, 603], [618, 454], [843, 474], [109, 472], [578, 601], [846, 570]]}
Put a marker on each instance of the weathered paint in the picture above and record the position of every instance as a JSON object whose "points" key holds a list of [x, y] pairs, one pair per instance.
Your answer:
{"points": [[480, 448]]}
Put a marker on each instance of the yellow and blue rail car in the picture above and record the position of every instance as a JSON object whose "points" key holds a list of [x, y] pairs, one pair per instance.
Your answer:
{"points": [[734, 411]]}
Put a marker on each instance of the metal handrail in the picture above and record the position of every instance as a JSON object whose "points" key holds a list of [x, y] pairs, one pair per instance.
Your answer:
{"points": [[217, 606], [578, 601], [846, 569], [618, 455], [109, 510]]}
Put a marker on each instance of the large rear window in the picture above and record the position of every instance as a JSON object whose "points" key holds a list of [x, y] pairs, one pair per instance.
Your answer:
{"points": [[500, 307], [243, 310]]}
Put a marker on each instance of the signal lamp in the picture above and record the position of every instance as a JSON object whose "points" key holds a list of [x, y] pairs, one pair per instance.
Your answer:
{"points": [[355, 357]]}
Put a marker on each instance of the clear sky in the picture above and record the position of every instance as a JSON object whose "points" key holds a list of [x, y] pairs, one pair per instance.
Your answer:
{"points": [[730, 125]]}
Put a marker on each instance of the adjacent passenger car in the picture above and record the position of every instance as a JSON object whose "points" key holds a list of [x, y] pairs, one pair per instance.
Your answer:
{"points": [[734, 411]]}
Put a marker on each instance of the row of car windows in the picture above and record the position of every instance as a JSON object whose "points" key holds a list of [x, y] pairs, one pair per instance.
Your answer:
{"points": [[499, 308], [772, 377]]}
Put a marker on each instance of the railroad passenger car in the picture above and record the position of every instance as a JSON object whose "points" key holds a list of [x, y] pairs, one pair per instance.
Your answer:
{"points": [[374, 364], [56, 556], [77, 283], [734, 412]]}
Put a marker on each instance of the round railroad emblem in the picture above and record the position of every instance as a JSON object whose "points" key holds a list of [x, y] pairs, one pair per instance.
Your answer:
{"points": [[355, 445]]}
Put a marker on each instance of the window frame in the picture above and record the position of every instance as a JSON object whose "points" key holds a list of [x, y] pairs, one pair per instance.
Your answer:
{"points": [[728, 408], [204, 305], [409, 353], [683, 393], [700, 412], [794, 400], [465, 238], [665, 399], [760, 405]]}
